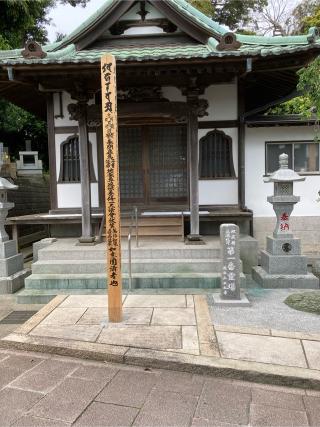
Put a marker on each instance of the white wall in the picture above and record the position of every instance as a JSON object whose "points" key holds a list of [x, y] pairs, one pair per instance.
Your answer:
{"points": [[223, 103], [257, 191], [69, 194]]}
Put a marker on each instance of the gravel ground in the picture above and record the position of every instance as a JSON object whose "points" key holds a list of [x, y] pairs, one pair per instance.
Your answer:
{"points": [[267, 311]]}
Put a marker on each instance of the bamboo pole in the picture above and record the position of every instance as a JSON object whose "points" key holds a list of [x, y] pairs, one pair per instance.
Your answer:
{"points": [[112, 192]]}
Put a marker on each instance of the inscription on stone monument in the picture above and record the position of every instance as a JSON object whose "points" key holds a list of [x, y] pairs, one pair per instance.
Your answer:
{"points": [[230, 250]]}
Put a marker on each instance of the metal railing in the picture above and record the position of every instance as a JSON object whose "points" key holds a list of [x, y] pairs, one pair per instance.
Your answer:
{"points": [[133, 223]]}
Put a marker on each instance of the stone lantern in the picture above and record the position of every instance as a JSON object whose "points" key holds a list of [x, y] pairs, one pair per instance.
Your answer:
{"points": [[5, 185], [283, 201], [282, 265], [12, 273]]}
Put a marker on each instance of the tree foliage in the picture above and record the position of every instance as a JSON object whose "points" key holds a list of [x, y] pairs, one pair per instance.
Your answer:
{"points": [[233, 13], [21, 20]]}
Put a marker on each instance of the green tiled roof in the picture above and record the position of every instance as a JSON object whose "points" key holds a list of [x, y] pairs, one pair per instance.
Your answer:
{"points": [[251, 46]]}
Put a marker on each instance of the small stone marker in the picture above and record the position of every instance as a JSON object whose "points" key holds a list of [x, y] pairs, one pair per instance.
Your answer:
{"points": [[231, 267]]}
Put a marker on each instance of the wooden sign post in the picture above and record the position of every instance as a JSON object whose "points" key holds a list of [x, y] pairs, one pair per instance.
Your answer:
{"points": [[112, 193]]}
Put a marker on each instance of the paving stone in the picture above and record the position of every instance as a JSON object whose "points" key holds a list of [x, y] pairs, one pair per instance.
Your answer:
{"points": [[128, 388], [180, 382], [7, 375], [190, 338], [203, 422], [95, 373], [64, 316], [224, 402], [156, 337], [77, 301], [271, 416], [68, 400], [30, 421], [96, 316], [155, 301], [20, 362], [190, 302], [278, 399], [14, 403], [312, 404], [45, 376], [88, 333], [166, 408], [103, 414], [280, 351], [312, 349], [173, 316]]}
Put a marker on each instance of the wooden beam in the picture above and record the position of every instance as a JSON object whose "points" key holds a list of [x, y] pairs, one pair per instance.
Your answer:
{"points": [[111, 176]]}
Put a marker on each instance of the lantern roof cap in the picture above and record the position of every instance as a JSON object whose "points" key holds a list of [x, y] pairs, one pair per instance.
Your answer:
{"points": [[7, 185], [284, 174]]}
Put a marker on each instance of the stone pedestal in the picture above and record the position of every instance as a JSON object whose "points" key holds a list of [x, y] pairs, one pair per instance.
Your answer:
{"points": [[282, 264], [12, 273], [28, 163]]}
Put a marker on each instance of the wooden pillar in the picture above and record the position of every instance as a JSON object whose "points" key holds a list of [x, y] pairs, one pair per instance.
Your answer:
{"points": [[52, 152], [193, 146], [112, 188], [86, 237], [241, 146]]}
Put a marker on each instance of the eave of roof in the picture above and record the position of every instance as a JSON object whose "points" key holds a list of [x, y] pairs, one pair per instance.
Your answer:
{"points": [[251, 46]]}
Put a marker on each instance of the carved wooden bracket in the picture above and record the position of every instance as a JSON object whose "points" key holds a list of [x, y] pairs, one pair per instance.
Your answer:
{"points": [[228, 42], [32, 50], [141, 94], [199, 107], [77, 111]]}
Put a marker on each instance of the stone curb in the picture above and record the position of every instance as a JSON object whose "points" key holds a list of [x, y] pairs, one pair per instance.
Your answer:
{"points": [[215, 366]]}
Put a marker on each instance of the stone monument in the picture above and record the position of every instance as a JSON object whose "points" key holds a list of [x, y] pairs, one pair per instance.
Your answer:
{"points": [[231, 268], [12, 274], [28, 163], [282, 265]]}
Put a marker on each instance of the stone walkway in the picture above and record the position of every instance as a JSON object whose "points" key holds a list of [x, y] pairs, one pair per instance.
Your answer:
{"points": [[171, 331], [44, 390]]}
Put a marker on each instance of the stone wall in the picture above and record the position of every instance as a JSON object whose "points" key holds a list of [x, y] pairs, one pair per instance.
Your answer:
{"points": [[31, 197]]}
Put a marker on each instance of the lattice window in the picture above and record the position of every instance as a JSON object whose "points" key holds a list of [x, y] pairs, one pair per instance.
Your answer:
{"points": [[216, 160], [130, 163], [168, 160], [70, 161]]}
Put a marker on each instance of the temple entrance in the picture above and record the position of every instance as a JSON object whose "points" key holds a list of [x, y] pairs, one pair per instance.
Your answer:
{"points": [[153, 164]]}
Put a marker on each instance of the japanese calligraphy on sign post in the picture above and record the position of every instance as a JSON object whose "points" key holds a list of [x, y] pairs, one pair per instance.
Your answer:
{"points": [[111, 176], [230, 250]]}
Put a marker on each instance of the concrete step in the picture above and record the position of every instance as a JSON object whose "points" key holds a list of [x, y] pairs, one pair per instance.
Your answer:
{"points": [[137, 266], [97, 253]]}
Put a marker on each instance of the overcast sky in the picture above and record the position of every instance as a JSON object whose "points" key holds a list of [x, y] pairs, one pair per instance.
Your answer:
{"points": [[65, 18]]}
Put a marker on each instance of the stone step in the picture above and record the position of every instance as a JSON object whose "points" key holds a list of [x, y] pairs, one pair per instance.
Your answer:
{"points": [[155, 230], [39, 288], [97, 253], [35, 296], [155, 221], [137, 266], [139, 280]]}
